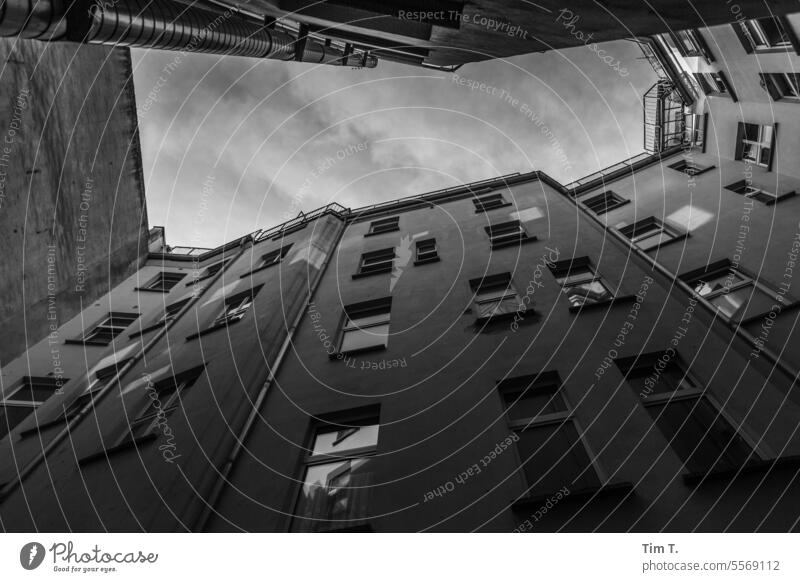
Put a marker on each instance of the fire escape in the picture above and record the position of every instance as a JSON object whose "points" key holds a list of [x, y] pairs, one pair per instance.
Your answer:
{"points": [[668, 117]]}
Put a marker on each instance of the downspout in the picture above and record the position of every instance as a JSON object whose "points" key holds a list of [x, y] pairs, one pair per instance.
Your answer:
{"points": [[114, 381], [774, 359], [210, 502]]}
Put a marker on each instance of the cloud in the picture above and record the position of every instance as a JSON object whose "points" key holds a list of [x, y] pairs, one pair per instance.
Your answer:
{"points": [[271, 134]]}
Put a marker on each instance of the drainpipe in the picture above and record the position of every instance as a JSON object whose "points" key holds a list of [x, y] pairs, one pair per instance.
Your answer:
{"points": [[112, 383], [210, 502]]}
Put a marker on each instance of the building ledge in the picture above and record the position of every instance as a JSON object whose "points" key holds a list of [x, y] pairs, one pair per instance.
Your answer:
{"points": [[147, 329], [515, 242], [435, 259], [780, 198], [700, 477], [146, 290], [61, 419], [86, 342], [256, 270], [375, 272], [482, 210], [381, 232], [211, 329], [623, 299], [128, 443], [622, 488]]}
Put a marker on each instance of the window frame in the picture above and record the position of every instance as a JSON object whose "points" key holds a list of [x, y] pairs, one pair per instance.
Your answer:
{"points": [[723, 268], [163, 282], [630, 232], [699, 46], [89, 337], [522, 384], [383, 226], [696, 392], [369, 417], [761, 143], [755, 39], [783, 87], [487, 284], [690, 167], [758, 193], [609, 199], [362, 310], [25, 382], [430, 256], [488, 202], [376, 262], [507, 237], [563, 270], [178, 384]]}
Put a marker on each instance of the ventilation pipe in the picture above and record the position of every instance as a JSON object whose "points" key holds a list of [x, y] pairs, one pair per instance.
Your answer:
{"points": [[166, 25]]}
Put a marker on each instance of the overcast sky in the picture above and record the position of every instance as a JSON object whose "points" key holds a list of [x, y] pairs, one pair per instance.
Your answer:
{"points": [[231, 145]]}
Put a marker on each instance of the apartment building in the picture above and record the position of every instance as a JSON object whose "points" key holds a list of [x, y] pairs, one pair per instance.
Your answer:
{"points": [[510, 355]]}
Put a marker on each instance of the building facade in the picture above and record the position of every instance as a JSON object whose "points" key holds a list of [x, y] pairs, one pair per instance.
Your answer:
{"points": [[71, 185], [615, 354]]}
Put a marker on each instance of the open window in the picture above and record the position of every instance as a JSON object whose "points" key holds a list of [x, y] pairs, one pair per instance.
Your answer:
{"points": [[580, 283], [337, 476], [551, 451], [507, 233], [374, 262], [604, 202], [755, 144], [163, 282], [651, 233], [426, 251], [767, 35], [366, 326], [104, 332], [384, 225], [21, 399], [494, 297], [692, 424]]}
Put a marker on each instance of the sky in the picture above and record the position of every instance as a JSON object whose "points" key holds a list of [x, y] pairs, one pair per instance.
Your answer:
{"points": [[232, 144]]}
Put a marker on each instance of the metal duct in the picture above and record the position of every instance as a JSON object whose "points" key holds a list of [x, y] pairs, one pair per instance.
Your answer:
{"points": [[39, 19], [166, 25]]}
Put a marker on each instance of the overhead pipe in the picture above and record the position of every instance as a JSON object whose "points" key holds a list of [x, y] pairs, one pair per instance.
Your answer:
{"points": [[167, 26]]}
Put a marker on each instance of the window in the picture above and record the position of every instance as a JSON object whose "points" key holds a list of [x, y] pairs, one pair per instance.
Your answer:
{"points": [[163, 282], [384, 225], [102, 378], [426, 251], [506, 234], [696, 430], [163, 399], [734, 294], [764, 34], [690, 168], [236, 307], [749, 191], [755, 143], [366, 326], [490, 202], [273, 257], [690, 43], [650, 233], [172, 311], [580, 283], [715, 83], [550, 447], [21, 400], [377, 262], [212, 270], [104, 332], [337, 478], [781, 86], [495, 296], [604, 202]]}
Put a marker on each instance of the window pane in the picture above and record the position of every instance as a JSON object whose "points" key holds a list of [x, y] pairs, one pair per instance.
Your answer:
{"points": [[553, 457], [535, 401], [719, 282], [334, 496], [699, 435], [346, 439], [729, 303], [364, 320], [11, 416], [357, 339], [654, 240], [649, 380], [587, 293], [501, 307]]}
